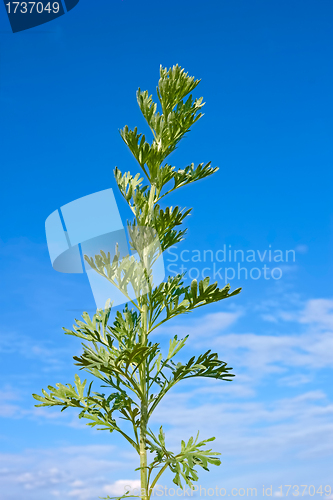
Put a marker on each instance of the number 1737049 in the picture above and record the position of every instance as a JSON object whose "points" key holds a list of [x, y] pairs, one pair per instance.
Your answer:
{"points": [[304, 489], [31, 7]]}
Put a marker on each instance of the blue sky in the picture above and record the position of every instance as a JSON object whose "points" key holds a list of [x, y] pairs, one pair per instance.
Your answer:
{"points": [[66, 88]]}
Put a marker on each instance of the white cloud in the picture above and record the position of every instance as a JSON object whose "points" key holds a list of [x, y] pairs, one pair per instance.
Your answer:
{"points": [[8, 409], [295, 380], [120, 486], [318, 312], [275, 353], [209, 325], [310, 349], [315, 313], [297, 427], [50, 356], [81, 472]]}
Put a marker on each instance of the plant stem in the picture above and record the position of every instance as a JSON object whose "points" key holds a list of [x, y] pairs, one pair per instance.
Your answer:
{"points": [[156, 479], [143, 420]]}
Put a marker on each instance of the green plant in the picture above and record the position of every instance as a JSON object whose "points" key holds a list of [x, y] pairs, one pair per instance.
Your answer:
{"points": [[121, 355]]}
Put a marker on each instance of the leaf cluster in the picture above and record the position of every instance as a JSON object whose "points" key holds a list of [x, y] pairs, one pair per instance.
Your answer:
{"points": [[133, 369], [182, 464], [173, 298]]}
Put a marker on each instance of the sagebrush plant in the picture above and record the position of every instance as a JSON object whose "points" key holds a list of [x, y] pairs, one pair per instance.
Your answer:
{"points": [[132, 368]]}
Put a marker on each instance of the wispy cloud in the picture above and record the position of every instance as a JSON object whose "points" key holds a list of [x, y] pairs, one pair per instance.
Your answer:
{"points": [[300, 426], [318, 312], [210, 324], [275, 353], [272, 411], [82, 472]]}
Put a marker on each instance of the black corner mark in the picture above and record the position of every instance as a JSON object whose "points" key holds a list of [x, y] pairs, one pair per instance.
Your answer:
{"points": [[24, 15]]}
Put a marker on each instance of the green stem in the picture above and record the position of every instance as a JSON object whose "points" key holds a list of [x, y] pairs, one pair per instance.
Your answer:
{"points": [[144, 411], [156, 479]]}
